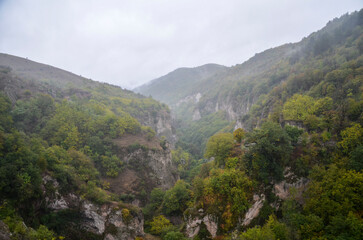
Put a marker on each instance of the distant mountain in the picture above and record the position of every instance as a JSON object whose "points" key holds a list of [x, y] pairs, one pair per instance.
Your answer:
{"points": [[235, 89], [242, 94], [179, 83], [79, 157], [55, 78], [31, 70]]}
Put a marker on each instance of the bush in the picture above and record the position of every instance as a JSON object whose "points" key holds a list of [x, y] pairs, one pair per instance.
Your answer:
{"points": [[174, 236], [219, 146], [158, 224]]}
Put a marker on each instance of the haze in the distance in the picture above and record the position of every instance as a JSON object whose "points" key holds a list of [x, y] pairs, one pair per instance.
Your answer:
{"points": [[128, 43]]}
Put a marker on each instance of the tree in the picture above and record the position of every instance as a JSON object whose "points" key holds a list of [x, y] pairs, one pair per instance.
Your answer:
{"points": [[334, 191], [356, 159], [351, 138], [272, 230], [333, 204], [239, 134], [298, 107], [268, 153], [159, 224], [294, 133], [225, 194], [5, 117], [219, 147], [176, 198], [174, 236], [155, 203]]}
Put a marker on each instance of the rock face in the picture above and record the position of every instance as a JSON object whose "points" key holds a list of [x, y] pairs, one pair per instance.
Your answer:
{"points": [[254, 210], [109, 221], [147, 167], [161, 122], [105, 220], [193, 224], [4, 231], [196, 115], [283, 189]]}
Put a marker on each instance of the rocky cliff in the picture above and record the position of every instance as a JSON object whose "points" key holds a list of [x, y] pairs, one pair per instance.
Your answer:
{"points": [[148, 165], [107, 221]]}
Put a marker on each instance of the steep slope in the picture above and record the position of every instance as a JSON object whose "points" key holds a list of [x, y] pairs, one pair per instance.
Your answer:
{"points": [[242, 85], [174, 86], [30, 70], [239, 94], [74, 147], [62, 84], [295, 171]]}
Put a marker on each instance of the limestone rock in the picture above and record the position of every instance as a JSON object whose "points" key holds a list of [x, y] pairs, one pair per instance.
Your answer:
{"points": [[4, 231], [98, 219], [254, 210], [283, 189], [93, 221], [193, 224]]}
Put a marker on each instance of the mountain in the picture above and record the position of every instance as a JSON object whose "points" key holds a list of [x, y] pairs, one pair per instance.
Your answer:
{"points": [[268, 149], [286, 133], [70, 147], [178, 84], [280, 142], [240, 93]]}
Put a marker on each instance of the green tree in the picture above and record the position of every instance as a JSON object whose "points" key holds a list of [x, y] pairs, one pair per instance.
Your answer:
{"points": [[174, 236], [351, 138], [219, 147], [155, 203], [257, 233], [159, 224], [334, 191], [333, 204], [239, 134], [5, 117], [356, 159], [225, 194], [176, 198], [269, 152], [298, 107], [294, 133]]}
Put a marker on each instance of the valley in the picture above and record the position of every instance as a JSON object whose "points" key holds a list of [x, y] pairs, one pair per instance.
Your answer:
{"points": [[271, 148]]}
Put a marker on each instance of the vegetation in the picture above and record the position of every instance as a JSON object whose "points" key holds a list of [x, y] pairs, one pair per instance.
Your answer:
{"points": [[70, 140], [304, 125]]}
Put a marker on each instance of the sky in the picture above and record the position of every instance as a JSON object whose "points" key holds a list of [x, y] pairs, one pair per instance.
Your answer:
{"points": [[128, 43]]}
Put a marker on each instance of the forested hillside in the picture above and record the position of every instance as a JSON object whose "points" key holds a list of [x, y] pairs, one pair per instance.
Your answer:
{"points": [[179, 84], [68, 148], [268, 149], [249, 92], [280, 141]]}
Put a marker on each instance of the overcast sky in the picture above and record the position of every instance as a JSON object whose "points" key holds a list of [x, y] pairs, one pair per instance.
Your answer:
{"points": [[128, 43]]}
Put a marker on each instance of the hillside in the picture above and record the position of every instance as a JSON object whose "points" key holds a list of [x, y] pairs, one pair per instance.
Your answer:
{"points": [[180, 83], [279, 141], [268, 149], [239, 93], [74, 147]]}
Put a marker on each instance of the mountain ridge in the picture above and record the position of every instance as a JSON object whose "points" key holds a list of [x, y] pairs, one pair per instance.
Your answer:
{"points": [[180, 78]]}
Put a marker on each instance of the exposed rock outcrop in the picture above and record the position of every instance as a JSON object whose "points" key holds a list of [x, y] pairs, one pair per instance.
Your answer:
{"points": [[105, 220], [283, 189], [4, 231], [160, 121], [254, 210], [196, 115], [109, 221], [153, 166], [193, 224]]}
